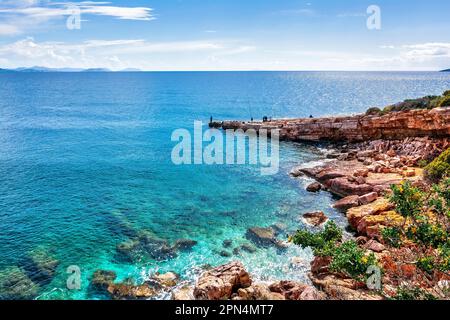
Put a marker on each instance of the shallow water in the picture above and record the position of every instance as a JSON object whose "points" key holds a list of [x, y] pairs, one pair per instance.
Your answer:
{"points": [[81, 154]]}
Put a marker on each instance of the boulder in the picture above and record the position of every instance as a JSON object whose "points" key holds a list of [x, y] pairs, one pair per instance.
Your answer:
{"points": [[221, 282], [354, 215], [125, 291], [343, 187], [184, 293], [320, 264], [168, 279], [368, 198], [258, 292], [291, 290], [361, 173], [346, 203], [316, 218], [342, 289], [374, 246], [311, 293], [314, 187]]}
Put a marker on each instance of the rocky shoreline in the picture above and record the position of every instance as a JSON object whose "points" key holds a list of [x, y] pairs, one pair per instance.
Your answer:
{"points": [[361, 170], [360, 173]]}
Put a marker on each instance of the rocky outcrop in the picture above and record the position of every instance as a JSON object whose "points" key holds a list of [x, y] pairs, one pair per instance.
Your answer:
{"points": [[316, 218], [221, 282], [394, 125]]}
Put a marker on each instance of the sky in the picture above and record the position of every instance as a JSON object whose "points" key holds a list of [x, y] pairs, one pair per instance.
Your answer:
{"points": [[172, 35]]}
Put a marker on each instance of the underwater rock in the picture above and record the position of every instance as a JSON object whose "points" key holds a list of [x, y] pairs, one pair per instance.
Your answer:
{"points": [[128, 250], [184, 244], [221, 282], [40, 266], [225, 254], [248, 248], [102, 279], [227, 243], [263, 237], [16, 285]]}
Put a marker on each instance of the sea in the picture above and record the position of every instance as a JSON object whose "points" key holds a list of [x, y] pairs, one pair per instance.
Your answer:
{"points": [[84, 154]]}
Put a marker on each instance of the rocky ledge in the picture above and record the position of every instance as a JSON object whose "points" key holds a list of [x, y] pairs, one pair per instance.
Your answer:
{"points": [[432, 123]]}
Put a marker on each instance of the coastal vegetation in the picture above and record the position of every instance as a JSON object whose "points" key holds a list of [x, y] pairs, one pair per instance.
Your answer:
{"points": [[439, 167], [427, 102]]}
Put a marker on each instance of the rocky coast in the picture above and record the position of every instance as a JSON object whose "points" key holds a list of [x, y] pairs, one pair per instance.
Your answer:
{"points": [[367, 154], [361, 167]]}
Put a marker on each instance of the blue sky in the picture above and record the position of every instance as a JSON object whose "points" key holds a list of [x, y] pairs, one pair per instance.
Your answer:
{"points": [[226, 34]]}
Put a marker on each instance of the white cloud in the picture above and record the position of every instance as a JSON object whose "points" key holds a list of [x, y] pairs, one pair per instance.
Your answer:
{"points": [[28, 14], [114, 54]]}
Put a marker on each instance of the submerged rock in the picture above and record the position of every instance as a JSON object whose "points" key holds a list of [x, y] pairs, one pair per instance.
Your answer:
{"points": [[185, 244], [316, 218], [221, 282], [263, 237], [40, 266], [224, 253], [16, 285], [248, 248], [102, 279], [227, 243]]}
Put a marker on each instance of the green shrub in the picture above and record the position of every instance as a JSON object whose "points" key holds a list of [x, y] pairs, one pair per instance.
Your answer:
{"points": [[413, 294], [439, 201], [373, 111], [320, 242], [446, 93], [392, 236], [351, 260], [428, 234], [439, 168], [426, 264], [445, 101], [408, 200]]}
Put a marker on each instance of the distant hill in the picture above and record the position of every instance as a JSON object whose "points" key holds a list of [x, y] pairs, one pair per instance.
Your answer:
{"points": [[45, 69], [446, 70]]}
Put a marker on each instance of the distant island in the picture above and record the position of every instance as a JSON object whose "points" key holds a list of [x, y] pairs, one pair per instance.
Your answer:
{"points": [[446, 70], [45, 69]]}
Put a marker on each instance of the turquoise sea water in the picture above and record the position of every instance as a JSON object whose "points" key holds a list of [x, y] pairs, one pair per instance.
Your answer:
{"points": [[83, 153]]}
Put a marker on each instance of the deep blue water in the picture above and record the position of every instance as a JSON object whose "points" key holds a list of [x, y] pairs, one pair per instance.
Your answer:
{"points": [[81, 153]]}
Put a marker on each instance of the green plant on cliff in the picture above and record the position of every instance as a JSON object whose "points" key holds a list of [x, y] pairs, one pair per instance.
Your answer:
{"points": [[351, 260], [427, 102], [320, 242], [408, 200], [347, 257], [392, 236], [439, 168], [445, 101], [405, 293]]}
